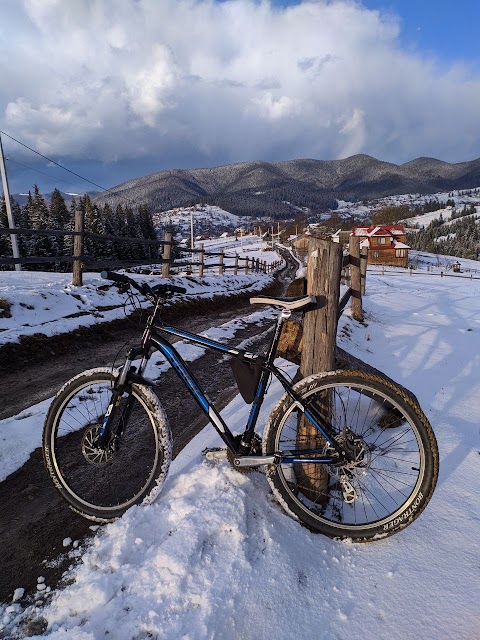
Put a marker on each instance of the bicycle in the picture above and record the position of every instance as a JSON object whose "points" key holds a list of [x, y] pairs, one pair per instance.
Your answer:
{"points": [[347, 453]]}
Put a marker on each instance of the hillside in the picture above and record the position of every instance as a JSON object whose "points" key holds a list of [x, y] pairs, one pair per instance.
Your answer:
{"points": [[280, 188]]}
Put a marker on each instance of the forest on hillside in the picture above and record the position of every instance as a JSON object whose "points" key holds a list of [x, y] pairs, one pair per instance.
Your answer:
{"points": [[458, 237], [35, 214]]}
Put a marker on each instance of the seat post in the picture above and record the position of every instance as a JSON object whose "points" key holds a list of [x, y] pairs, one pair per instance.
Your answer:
{"points": [[282, 316]]}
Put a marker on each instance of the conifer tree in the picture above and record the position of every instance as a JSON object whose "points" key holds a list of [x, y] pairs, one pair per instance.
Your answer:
{"points": [[40, 246], [60, 218]]}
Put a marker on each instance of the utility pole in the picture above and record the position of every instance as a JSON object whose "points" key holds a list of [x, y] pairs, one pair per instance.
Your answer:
{"points": [[6, 193], [192, 241]]}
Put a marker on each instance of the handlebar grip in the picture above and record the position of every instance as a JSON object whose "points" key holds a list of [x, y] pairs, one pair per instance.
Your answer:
{"points": [[115, 277], [176, 289]]}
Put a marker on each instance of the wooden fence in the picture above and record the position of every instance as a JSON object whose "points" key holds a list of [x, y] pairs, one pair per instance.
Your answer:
{"points": [[80, 260], [312, 343]]}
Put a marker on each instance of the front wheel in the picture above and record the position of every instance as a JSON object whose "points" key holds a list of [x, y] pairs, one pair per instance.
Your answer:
{"points": [[101, 484], [393, 457]]}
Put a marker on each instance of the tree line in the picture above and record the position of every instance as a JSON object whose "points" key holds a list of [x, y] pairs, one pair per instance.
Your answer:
{"points": [[123, 221], [458, 238]]}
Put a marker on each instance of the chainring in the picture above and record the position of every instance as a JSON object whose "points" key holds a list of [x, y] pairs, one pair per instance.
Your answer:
{"points": [[255, 449]]}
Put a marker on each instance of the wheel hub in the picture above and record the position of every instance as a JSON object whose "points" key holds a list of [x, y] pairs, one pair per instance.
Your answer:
{"points": [[91, 451], [356, 465]]}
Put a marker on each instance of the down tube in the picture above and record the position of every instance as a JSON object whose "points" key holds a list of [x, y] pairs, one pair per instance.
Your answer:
{"points": [[187, 377]]}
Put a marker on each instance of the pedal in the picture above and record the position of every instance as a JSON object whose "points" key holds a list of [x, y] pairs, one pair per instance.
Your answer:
{"points": [[215, 454]]}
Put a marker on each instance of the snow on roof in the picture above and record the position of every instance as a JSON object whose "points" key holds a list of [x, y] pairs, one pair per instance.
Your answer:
{"points": [[379, 230]]}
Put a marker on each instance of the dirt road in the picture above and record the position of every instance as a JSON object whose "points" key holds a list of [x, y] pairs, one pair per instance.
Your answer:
{"points": [[34, 521]]}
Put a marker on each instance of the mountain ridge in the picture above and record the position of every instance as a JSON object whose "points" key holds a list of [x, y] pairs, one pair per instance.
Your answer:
{"points": [[281, 188]]}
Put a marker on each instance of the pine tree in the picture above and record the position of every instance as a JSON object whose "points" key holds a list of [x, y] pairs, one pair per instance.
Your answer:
{"points": [[40, 246], [60, 218], [147, 230], [94, 224]]}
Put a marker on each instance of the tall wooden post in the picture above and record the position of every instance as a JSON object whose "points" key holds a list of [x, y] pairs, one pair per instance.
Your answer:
{"points": [[201, 261], [320, 326], [77, 277], [356, 278], [235, 265], [246, 266], [318, 352], [166, 255], [220, 265], [8, 206], [363, 269]]}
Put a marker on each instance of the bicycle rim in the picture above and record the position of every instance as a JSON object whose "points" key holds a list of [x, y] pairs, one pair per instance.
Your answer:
{"points": [[381, 486], [111, 482]]}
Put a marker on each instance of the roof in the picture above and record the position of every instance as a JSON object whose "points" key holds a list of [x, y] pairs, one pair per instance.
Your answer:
{"points": [[379, 230]]}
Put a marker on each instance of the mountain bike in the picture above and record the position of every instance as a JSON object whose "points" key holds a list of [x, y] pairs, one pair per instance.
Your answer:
{"points": [[347, 453]]}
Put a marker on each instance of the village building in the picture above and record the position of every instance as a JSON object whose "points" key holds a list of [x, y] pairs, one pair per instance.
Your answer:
{"points": [[385, 243]]}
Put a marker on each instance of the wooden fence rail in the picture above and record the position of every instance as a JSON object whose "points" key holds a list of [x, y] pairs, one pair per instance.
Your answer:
{"points": [[312, 343], [79, 259]]}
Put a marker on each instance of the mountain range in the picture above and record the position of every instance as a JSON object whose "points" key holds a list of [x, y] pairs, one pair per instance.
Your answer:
{"points": [[282, 188]]}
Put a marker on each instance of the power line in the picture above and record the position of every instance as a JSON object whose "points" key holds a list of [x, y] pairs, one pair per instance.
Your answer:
{"points": [[42, 172], [129, 200], [53, 161]]}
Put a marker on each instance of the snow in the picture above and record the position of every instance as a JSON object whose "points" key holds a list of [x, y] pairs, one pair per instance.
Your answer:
{"points": [[48, 303], [216, 557]]}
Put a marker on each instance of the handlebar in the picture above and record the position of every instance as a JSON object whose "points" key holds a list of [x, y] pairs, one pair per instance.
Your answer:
{"points": [[144, 288]]}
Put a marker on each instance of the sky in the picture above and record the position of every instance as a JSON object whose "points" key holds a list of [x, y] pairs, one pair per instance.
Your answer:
{"points": [[114, 89]]}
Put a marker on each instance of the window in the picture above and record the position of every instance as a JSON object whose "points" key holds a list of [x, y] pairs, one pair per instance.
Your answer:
{"points": [[381, 240], [400, 253], [374, 254]]}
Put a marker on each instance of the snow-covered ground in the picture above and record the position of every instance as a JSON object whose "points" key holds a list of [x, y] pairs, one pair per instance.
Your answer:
{"points": [[215, 557], [40, 302], [365, 209]]}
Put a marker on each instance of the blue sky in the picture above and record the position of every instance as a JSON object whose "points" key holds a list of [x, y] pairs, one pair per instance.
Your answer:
{"points": [[445, 29], [115, 89]]}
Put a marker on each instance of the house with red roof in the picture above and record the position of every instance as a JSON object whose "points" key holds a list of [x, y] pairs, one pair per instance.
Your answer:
{"points": [[385, 243]]}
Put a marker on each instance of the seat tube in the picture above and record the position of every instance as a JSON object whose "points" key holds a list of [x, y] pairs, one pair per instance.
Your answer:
{"points": [[284, 315]]}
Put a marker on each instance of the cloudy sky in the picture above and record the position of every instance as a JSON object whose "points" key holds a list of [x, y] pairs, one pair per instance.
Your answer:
{"points": [[115, 89]]}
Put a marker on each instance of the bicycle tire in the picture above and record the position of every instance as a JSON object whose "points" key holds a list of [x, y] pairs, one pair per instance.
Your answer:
{"points": [[394, 475], [103, 487]]}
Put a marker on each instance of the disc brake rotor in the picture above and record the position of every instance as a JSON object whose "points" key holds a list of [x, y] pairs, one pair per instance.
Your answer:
{"points": [[91, 451]]}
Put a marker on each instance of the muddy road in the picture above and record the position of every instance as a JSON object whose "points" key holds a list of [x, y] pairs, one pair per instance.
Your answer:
{"points": [[34, 520]]}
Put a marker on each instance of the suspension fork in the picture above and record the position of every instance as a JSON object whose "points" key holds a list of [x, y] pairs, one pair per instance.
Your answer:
{"points": [[122, 385]]}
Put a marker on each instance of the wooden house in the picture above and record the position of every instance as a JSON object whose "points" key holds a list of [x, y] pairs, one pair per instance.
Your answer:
{"points": [[385, 243]]}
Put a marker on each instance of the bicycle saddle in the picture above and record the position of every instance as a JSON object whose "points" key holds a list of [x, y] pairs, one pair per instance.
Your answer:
{"points": [[294, 304]]}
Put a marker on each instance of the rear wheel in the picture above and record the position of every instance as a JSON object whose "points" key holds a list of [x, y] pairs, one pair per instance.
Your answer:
{"points": [[102, 484], [393, 456]]}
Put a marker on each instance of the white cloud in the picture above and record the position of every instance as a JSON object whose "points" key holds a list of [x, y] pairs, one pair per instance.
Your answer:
{"points": [[225, 82]]}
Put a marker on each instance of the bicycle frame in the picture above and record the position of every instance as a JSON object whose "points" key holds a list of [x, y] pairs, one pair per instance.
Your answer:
{"points": [[152, 338]]}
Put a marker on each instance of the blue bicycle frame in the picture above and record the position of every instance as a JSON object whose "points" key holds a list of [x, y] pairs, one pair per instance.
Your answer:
{"points": [[151, 338]]}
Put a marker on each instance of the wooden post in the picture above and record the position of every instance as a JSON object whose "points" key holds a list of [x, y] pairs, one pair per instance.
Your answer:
{"points": [[201, 261], [246, 266], [167, 252], [235, 266], [355, 283], [77, 277], [363, 269], [220, 266], [318, 352]]}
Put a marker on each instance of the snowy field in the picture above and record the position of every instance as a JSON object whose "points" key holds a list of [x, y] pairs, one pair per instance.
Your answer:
{"points": [[40, 302], [215, 557]]}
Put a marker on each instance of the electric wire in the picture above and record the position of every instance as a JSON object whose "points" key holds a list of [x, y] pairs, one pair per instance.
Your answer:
{"points": [[104, 189], [53, 161], [42, 172]]}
